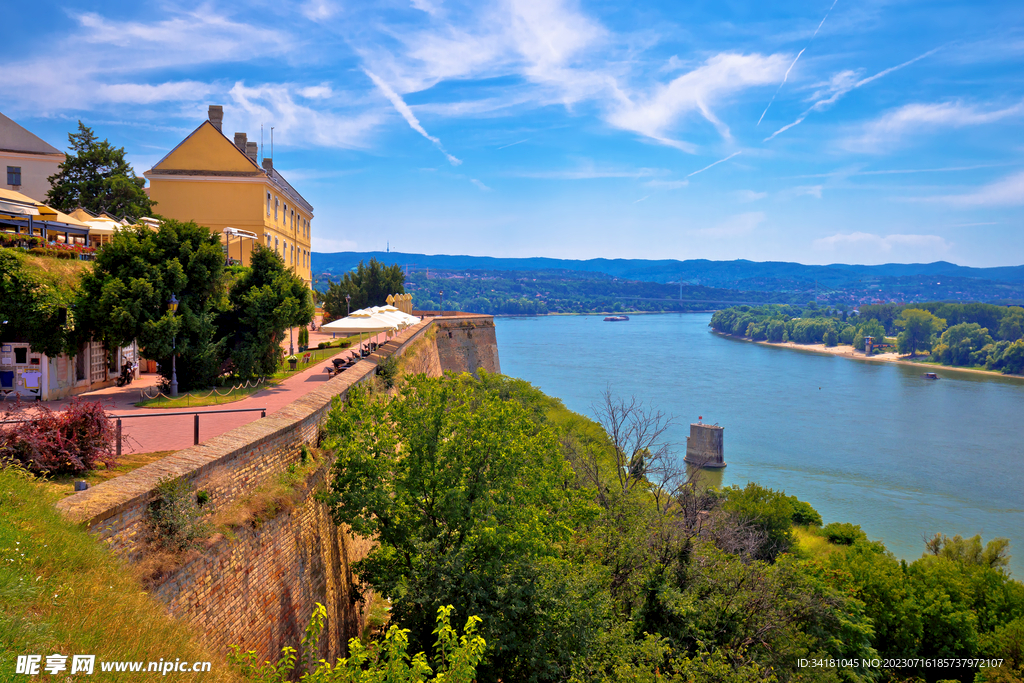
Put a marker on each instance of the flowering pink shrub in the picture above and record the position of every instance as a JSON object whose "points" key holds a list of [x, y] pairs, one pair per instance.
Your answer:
{"points": [[72, 441]]}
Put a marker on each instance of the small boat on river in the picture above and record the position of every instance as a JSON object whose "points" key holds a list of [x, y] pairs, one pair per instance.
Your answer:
{"points": [[930, 375], [616, 318]]}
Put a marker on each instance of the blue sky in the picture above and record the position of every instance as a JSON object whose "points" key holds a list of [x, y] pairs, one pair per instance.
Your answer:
{"points": [[819, 132]]}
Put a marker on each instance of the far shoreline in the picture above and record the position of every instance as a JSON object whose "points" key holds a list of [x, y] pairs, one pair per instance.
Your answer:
{"points": [[847, 351]]}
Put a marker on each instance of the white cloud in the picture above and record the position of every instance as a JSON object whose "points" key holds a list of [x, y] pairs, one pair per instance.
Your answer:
{"points": [[319, 10], [1008, 191], [143, 93], [316, 92], [892, 127], [747, 196], [479, 184], [667, 184], [402, 108], [297, 124], [696, 91], [807, 191], [735, 226], [880, 243], [841, 84], [589, 171]]}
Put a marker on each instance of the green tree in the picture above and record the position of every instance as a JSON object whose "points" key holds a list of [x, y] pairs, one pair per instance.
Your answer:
{"points": [[1011, 327], [39, 311], [918, 329], [769, 511], [468, 498], [960, 342], [126, 297], [369, 285], [95, 176], [265, 301]]}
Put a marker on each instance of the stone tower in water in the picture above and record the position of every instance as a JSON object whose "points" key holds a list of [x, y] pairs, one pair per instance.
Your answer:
{"points": [[704, 446]]}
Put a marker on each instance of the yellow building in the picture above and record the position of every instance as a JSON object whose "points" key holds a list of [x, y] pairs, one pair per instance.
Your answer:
{"points": [[218, 183], [28, 160]]}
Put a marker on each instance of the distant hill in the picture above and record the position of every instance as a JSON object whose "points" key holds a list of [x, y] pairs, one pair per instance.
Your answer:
{"points": [[738, 274]]}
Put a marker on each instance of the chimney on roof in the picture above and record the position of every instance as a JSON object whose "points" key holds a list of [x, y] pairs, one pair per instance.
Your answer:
{"points": [[216, 116], [268, 164], [240, 141], [251, 149]]}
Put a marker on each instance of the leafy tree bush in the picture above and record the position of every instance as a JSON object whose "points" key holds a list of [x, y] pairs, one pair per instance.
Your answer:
{"points": [[264, 302], [468, 498], [175, 517], [456, 657], [369, 285], [767, 510], [919, 327], [74, 440], [95, 176], [32, 307], [803, 513], [959, 344], [126, 297], [843, 533]]}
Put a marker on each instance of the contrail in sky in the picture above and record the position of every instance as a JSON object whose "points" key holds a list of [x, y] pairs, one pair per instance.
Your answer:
{"points": [[513, 144], [402, 108], [784, 78], [823, 104], [714, 164]]}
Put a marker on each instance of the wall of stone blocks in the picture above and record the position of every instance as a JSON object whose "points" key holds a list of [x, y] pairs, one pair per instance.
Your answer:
{"points": [[466, 343], [257, 588]]}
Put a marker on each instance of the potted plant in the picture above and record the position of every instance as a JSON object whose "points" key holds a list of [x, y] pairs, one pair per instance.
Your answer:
{"points": [[293, 361], [303, 339]]}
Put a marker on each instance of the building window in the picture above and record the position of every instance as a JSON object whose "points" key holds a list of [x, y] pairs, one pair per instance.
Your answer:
{"points": [[14, 175], [268, 241], [292, 217], [277, 203], [276, 245], [268, 209]]}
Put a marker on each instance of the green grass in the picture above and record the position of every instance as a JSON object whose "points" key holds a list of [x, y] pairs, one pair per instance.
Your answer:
{"points": [[62, 592], [64, 485], [197, 399]]}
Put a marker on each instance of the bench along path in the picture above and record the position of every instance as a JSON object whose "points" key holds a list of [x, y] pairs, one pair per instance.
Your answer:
{"points": [[146, 435]]}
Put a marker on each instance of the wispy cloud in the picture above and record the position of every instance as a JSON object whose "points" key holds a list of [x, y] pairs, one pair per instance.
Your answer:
{"points": [[734, 154], [795, 60], [479, 184], [402, 108], [1008, 191], [882, 243], [513, 144], [667, 184], [589, 171], [695, 92], [735, 226], [892, 127], [747, 196], [843, 85], [642, 199]]}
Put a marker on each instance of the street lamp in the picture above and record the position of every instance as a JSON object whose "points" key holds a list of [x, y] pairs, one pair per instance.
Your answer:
{"points": [[173, 305], [442, 302], [348, 305]]}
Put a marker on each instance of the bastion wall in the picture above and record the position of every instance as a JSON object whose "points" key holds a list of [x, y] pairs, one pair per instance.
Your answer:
{"points": [[257, 588]]}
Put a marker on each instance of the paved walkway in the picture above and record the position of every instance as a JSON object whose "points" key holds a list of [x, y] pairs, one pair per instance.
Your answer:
{"points": [[146, 435]]}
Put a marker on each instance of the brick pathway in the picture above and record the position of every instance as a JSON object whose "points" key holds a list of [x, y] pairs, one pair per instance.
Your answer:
{"points": [[146, 435]]}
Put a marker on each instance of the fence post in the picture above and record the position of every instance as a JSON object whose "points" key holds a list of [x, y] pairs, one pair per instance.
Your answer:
{"points": [[119, 437], [197, 429]]}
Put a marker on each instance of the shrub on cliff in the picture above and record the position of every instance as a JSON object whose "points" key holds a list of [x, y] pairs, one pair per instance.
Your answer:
{"points": [[71, 441], [175, 516]]}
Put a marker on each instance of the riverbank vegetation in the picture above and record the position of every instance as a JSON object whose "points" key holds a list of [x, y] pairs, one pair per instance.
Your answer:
{"points": [[967, 335], [589, 556]]}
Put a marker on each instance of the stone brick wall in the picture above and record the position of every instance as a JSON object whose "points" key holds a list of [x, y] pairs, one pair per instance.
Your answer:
{"points": [[466, 343], [257, 588]]}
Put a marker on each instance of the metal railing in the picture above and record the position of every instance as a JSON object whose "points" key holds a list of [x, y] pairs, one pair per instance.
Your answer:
{"points": [[195, 414]]}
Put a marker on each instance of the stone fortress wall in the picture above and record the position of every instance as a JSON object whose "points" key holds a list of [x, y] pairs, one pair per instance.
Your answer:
{"points": [[257, 588]]}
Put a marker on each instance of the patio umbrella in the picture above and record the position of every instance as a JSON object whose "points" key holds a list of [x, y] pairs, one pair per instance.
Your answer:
{"points": [[360, 322]]}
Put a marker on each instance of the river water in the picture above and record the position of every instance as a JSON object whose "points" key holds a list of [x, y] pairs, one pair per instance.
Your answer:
{"points": [[875, 444]]}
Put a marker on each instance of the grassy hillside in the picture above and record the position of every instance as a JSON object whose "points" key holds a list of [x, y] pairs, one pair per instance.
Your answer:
{"points": [[62, 592]]}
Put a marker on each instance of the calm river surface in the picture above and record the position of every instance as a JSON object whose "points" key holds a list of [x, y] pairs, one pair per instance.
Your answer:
{"points": [[870, 443]]}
